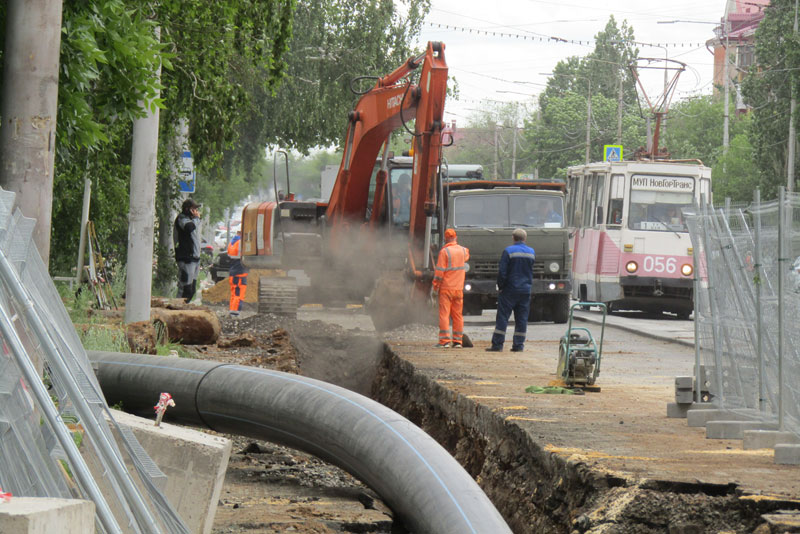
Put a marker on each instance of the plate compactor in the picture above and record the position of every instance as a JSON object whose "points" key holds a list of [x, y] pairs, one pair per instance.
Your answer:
{"points": [[578, 353]]}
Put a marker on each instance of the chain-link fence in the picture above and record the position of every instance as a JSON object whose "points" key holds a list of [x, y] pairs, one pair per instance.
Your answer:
{"points": [[56, 434], [747, 306]]}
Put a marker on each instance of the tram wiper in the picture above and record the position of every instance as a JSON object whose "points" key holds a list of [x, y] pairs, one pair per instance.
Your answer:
{"points": [[666, 226]]}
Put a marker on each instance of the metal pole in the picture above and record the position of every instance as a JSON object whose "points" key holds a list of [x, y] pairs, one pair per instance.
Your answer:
{"points": [[588, 121], [87, 197], [711, 301], [781, 261], [758, 280], [698, 397]]}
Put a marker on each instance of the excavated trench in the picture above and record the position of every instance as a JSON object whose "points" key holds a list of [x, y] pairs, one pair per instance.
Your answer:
{"points": [[536, 490]]}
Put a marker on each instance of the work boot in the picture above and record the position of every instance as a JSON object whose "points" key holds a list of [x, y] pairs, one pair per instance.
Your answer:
{"points": [[516, 349], [494, 349], [442, 346], [457, 346]]}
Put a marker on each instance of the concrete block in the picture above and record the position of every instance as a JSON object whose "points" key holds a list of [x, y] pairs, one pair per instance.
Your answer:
{"points": [[684, 392], [787, 454], [194, 462], [735, 429], [699, 417], [34, 515], [677, 411], [767, 439]]}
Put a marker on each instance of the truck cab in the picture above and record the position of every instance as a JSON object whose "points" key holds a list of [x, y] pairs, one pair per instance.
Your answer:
{"points": [[485, 213]]}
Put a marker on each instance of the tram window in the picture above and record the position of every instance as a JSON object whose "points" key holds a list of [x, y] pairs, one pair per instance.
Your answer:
{"points": [[588, 182], [658, 210], [572, 198], [616, 193], [598, 202]]}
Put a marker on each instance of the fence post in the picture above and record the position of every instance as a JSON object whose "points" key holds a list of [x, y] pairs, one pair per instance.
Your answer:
{"points": [[698, 396], [781, 268], [759, 279], [711, 296]]}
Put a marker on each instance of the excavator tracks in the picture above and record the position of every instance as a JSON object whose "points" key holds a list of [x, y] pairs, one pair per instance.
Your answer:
{"points": [[278, 296]]}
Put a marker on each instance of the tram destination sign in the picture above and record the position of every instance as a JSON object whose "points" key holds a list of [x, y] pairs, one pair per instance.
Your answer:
{"points": [[662, 183]]}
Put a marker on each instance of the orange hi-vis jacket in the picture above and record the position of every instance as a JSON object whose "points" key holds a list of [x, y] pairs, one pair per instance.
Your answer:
{"points": [[450, 269]]}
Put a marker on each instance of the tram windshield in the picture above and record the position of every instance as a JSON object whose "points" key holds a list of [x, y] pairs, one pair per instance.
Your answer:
{"points": [[656, 202], [508, 211]]}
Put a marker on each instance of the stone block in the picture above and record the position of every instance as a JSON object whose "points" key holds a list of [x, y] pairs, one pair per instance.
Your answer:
{"points": [[699, 417], [787, 454], [677, 411], [684, 392], [735, 429], [34, 515], [194, 462], [767, 439]]}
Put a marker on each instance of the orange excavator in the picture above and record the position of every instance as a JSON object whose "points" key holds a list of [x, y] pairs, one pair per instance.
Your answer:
{"points": [[356, 245]]}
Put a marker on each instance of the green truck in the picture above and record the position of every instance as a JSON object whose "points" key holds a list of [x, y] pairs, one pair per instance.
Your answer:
{"points": [[485, 212]]}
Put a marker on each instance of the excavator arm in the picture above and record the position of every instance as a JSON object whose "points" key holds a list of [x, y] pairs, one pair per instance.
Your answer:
{"points": [[391, 102]]}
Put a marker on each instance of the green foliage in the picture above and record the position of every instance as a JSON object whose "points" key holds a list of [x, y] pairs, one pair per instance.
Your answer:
{"points": [[104, 338], [735, 174], [768, 88]]}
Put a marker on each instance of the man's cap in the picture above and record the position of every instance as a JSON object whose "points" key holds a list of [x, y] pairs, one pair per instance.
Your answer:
{"points": [[189, 204], [449, 234]]}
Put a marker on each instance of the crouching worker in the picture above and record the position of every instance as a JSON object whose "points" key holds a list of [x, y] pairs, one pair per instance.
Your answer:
{"points": [[237, 275], [448, 283]]}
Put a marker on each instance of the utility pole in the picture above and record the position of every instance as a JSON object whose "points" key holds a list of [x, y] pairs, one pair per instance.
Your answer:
{"points": [[619, 109], [792, 134], [141, 215], [588, 120], [726, 84], [29, 104], [514, 144], [496, 127]]}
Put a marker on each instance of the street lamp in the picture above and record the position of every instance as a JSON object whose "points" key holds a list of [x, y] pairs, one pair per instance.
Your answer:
{"points": [[588, 109]]}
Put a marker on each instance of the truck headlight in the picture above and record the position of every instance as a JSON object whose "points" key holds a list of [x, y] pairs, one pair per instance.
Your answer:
{"points": [[467, 287], [553, 267]]}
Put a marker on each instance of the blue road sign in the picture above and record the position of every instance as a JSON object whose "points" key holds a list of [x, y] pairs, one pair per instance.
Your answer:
{"points": [[612, 152], [187, 179]]}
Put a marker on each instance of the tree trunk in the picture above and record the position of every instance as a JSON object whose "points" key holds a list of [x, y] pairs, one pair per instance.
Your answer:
{"points": [[29, 104], [141, 217]]}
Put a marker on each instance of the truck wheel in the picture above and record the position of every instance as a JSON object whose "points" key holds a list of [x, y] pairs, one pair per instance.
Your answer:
{"points": [[560, 309], [536, 313]]}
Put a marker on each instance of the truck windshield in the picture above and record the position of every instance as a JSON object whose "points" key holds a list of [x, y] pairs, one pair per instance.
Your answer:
{"points": [[508, 211], [656, 202]]}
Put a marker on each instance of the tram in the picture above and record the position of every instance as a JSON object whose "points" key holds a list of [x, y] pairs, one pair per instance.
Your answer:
{"points": [[630, 244]]}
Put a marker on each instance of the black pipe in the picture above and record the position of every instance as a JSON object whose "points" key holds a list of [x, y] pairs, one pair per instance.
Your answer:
{"points": [[425, 486]]}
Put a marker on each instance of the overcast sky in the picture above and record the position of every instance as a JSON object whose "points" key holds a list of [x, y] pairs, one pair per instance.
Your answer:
{"points": [[510, 68]]}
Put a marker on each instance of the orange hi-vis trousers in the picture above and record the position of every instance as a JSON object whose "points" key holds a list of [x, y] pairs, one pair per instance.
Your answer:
{"points": [[451, 302], [238, 289]]}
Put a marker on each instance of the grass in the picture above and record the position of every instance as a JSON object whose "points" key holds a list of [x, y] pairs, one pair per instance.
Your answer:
{"points": [[107, 339]]}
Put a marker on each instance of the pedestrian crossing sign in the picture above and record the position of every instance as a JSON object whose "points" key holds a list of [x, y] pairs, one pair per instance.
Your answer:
{"points": [[612, 152]]}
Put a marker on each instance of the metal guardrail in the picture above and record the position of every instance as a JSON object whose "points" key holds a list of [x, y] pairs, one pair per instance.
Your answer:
{"points": [[38, 454], [747, 303]]}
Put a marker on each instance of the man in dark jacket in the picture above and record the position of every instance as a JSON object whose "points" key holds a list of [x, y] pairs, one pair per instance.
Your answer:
{"points": [[514, 280], [186, 237]]}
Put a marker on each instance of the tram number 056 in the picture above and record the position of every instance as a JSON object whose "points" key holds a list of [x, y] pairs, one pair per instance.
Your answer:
{"points": [[660, 264]]}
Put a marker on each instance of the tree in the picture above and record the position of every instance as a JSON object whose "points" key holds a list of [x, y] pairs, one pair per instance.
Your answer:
{"points": [[768, 88]]}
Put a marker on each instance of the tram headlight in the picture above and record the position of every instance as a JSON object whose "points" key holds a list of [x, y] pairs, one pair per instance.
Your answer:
{"points": [[631, 267], [554, 266], [687, 269]]}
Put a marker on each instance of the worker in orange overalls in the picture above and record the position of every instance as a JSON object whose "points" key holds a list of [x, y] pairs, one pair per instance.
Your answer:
{"points": [[237, 275], [448, 283]]}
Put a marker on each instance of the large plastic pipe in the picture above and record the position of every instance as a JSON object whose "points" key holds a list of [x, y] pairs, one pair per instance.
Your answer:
{"points": [[425, 486]]}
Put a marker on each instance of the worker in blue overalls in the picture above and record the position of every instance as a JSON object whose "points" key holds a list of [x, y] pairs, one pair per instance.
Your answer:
{"points": [[514, 281]]}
